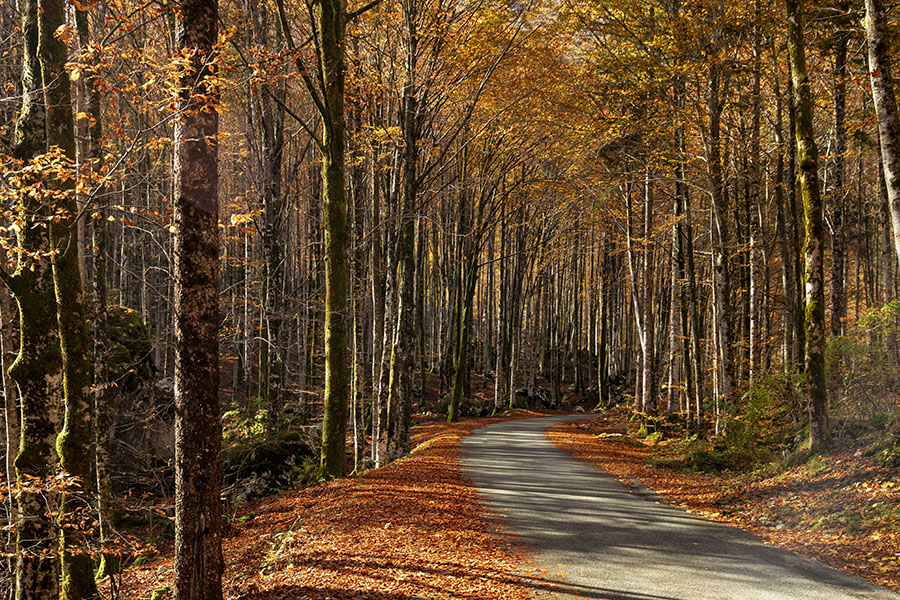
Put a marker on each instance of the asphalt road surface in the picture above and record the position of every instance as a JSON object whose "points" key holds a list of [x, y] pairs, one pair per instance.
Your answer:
{"points": [[597, 539]]}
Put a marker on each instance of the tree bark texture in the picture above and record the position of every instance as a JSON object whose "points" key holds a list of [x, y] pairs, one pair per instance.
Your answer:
{"points": [[76, 438], [37, 371], [807, 161], [198, 428], [331, 18]]}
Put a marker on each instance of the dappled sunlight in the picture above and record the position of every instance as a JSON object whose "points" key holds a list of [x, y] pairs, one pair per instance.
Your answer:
{"points": [[413, 529]]}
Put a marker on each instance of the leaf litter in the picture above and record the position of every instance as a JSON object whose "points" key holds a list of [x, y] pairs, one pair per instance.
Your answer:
{"points": [[414, 529]]}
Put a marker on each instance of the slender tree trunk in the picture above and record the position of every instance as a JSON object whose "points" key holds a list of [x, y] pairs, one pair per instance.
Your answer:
{"points": [[838, 294], [756, 267], [12, 431], [109, 561], [885, 107], [720, 237], [404, 349], [460, 363], [784, 242], [648, 398], [76, 439], [603, 400]]}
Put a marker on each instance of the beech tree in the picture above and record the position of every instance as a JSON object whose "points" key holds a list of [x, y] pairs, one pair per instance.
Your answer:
{"points": [[807, 162], [198, 428], [37, 371], [883, 95]]}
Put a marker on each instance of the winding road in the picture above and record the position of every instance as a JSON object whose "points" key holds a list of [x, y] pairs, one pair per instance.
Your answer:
{"points": [[597, 539]]}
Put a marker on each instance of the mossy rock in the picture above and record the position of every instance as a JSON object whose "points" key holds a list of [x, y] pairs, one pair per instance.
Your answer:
{"points": [[129, 348], [255, 470], [160, 593]]}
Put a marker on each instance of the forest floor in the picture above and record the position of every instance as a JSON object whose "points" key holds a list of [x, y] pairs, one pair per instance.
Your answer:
{"points": [[841, 508], [413, 529]]}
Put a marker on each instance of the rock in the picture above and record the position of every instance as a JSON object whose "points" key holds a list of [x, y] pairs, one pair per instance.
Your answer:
{"points": [[255, 471], [165, 387], [141, 408], [579, 409]]}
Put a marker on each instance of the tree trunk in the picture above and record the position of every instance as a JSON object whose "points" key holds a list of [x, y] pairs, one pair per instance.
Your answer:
{"points": [[331, 18], [12, 430], [404, 348], [885, 107], [109, 561], [648, 398], [784, 243], [76, 439], [756, 267], [198, 427], [720, 237], [807, 159], [37, 371], [838, 294]]}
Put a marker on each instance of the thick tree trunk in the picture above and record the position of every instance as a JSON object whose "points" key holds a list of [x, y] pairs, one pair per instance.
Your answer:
{"points": [[37, 371], [198, 427], [807, 158]]}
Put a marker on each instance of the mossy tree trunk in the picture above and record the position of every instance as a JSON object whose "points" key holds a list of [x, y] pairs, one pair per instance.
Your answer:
{"points": [[807, 161], [198, 427], [37, 371], [329, 24], [76, 438], [331, 18]]}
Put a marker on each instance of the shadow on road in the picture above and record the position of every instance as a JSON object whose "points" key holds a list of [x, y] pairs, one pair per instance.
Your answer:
{"points": [[603, 541]]}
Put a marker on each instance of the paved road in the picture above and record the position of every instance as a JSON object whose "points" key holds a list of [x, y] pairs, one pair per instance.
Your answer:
{"points": [[599, 540]]}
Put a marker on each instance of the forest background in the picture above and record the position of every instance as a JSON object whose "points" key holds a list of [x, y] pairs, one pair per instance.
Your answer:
{"points": [[686, 207]]}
